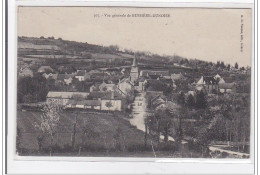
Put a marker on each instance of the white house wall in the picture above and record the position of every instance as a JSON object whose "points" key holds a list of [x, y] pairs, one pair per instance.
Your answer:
{"points": [[116, 105]]}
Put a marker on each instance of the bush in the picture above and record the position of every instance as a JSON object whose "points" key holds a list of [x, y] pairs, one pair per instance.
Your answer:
{"points": [[94, 148], [169, 146], [138, 148], [67, 148]]}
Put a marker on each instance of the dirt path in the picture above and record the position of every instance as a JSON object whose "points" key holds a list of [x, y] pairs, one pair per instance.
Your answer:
{"points": [[214, 148]]}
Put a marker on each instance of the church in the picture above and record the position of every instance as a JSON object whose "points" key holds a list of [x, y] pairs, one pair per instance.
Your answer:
{"points": [[134, 74]]}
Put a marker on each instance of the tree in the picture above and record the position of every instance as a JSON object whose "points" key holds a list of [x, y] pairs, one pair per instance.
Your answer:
{"points": [[165, 124], [74, 133], [181, 99], [242, 68], [201, 102], [236, 65], [119, 140], [32, 89], [18, 140], [181, 85], [129, 97], [218, 63], [177, 112], [228, 67], [49, 121], [190, 101], [222, 65]]}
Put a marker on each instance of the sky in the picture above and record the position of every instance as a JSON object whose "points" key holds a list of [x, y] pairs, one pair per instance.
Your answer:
{"points": [[205, 34]]}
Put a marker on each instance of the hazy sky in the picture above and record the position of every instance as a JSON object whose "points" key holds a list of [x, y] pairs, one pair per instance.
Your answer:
{"points": [[206, 34]]}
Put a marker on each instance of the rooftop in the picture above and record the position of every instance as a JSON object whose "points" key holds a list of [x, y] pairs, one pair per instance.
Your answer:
{"points": [[65, 95]]}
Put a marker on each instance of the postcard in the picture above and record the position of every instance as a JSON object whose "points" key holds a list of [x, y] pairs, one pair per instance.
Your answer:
{"points": [[134, 82]]}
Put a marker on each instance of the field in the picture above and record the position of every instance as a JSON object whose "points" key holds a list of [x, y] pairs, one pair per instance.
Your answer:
{"points": [[98, 133]]}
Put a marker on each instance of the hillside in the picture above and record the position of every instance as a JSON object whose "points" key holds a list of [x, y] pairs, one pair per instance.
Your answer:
{"points": [[50, 47]]}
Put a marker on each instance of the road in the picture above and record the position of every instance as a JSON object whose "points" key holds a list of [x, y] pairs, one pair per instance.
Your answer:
{"points": [[139, 114]]}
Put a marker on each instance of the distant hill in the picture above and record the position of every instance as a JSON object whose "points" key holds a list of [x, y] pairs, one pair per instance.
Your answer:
{"points": [[29, 46], [41, 48]]}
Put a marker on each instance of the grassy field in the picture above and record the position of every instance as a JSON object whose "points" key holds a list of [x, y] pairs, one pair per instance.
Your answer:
{"points": [[102, 134]]}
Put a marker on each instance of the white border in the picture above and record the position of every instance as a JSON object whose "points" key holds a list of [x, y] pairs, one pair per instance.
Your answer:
{"points": [[143, 165]]}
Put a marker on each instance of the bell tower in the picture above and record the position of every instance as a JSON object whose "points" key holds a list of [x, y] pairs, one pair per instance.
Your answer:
{"points": [[134, 74]]}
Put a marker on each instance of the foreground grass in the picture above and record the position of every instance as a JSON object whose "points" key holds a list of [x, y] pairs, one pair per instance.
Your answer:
{"points": [[97, 134]]}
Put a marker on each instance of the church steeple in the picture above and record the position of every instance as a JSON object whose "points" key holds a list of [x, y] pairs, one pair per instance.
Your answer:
{"points": [[134, 74], [134, 62]]}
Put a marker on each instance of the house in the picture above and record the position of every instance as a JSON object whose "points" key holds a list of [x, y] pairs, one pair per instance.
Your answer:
{"points": [[125, 86], [112, 102], [81, 75], [193, 93], [158, 102], [141, 84], [94, 71], [95, 75], [160, 73], [94, 87], [84, 104], [103, 87], [168, 82], [153, 77], [62, 98], [227, 88], [26, 72], [221, 81], [175, 77], [208, 83], [68, 79], [67, 69], [46, 69], [50, 76], [150, 95], [217, 76], [65, 78]]}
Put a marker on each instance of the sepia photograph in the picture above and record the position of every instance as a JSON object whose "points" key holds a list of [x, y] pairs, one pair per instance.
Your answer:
{"points": [[134, 82]]}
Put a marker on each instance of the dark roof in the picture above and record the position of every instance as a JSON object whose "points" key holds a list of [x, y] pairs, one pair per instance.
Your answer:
{"points": [[153, 94], [167, 81], [150, 88], [98, 74], [177, 76], [210, 80], [228, 79], [152, 81], [155, 72], [154, 76], [81, 73], [141, 79], [64, 76]]}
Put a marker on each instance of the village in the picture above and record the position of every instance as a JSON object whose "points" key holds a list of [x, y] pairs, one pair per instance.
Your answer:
{"points": [[111, 87], [183, 103]]}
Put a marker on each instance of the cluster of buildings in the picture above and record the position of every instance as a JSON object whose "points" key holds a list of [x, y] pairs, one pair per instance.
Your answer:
{"points": [[109, 101], [215, 84], [109, 90], [108, 95]]}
